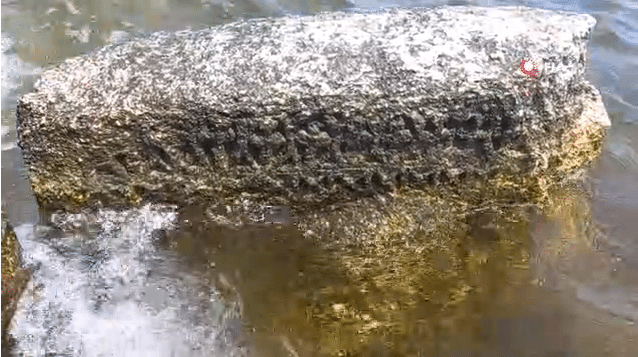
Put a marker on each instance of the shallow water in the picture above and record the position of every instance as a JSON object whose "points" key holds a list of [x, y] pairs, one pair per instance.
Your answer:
{"points": [[561, 282], [108, 289]]}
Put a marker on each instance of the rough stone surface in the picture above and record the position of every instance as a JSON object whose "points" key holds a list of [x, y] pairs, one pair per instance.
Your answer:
{"points": [[14, 278], [306, 111]]}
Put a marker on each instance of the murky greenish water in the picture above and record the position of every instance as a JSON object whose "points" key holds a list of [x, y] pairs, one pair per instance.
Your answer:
{"points": [[562, 281]]}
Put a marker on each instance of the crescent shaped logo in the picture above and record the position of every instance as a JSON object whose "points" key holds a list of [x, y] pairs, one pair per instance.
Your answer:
{"points": [[531, 73]]}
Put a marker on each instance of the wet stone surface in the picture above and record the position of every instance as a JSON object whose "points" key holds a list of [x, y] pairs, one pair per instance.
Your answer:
{"points": [[14, 276]]}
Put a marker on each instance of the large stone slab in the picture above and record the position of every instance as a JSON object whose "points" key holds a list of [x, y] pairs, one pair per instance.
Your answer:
{"points": [[306, 111]]}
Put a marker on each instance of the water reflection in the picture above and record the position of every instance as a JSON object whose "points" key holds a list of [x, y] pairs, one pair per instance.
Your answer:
{"points": [[495, 281], [467, 283]]}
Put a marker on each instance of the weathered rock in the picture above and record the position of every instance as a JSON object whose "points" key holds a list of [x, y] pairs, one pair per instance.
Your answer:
{"points": [[321, 110], [14, 278], [305, 111]]}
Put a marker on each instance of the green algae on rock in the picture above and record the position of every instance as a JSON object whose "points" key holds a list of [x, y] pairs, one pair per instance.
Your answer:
{"points": [[308, 111]]}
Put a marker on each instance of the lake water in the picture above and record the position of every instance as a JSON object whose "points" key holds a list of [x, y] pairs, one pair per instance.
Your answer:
{"points": [[145, 282]]}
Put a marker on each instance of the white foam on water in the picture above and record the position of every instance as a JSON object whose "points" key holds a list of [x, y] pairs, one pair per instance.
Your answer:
{"points": [[79, 305], [13, 69]]}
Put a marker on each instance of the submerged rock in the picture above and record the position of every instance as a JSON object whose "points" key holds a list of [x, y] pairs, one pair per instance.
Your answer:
{"points": [[309, 111]]}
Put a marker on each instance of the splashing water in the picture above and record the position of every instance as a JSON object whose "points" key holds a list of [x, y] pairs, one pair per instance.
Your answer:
{"points": [[113, 292]]}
